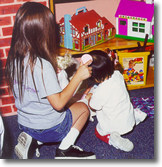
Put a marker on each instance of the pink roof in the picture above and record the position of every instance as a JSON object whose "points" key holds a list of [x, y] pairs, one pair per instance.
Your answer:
{"points": [[136, 9]]}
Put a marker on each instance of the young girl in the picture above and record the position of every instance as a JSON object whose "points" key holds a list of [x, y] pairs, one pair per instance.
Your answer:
{"points": [[110, 99], [31, 72]]}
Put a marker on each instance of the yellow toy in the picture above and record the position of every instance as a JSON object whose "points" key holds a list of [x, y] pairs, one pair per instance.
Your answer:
{"points": [[135, 67]]}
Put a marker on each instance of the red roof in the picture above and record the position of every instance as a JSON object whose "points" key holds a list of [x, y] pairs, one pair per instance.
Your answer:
{"points": [[61, 20], [88, 17], [109, 25]]}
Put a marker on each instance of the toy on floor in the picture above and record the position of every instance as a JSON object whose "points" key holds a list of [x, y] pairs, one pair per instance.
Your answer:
{"points": [[145, 104]]}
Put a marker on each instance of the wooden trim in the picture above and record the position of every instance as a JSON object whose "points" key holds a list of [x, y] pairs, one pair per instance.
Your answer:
{"points": [[51, 5]]}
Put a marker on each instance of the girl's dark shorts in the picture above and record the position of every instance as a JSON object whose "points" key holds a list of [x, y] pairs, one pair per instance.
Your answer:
{"points": [[54, 134]]}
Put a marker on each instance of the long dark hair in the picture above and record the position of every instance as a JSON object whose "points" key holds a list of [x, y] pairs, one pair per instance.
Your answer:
{"points": [[102, 67], [34, 35]]}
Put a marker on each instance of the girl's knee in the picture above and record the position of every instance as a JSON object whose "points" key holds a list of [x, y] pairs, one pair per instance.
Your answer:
{"points": [[79, 108], [85, 109]]}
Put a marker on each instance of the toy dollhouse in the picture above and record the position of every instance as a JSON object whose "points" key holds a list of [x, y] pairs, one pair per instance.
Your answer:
{"points": [[135, 19], [84, 29]]}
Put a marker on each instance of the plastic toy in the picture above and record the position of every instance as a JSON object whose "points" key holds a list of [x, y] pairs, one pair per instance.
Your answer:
{"points": [[85, 58], [135, 67], [135, 19], [84, 29]]}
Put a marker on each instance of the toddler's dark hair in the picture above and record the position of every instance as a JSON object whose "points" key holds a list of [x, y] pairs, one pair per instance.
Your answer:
{"points": [[102, 67]]}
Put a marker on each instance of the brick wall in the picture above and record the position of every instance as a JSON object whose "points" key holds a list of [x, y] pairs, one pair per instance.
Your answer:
{"points": [[8, 9]]}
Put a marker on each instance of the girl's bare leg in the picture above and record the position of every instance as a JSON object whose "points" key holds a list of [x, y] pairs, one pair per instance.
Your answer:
{"points": [[80, 114]]}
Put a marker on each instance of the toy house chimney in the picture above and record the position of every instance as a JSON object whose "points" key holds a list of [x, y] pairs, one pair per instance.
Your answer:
{"points": [[149, 1], [67, 37]]}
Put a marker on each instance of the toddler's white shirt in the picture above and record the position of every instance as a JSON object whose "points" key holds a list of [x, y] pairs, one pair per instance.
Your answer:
{"points": [[114, 109]]}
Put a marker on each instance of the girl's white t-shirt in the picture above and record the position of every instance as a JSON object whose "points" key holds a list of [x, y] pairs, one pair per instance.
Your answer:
{"points": [[114, 109]]}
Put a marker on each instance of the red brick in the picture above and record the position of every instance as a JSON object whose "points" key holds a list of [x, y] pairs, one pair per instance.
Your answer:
{"points": [[5, 21], [11, 9], [14, 108], [3, 82], [7, 31], [6, 1], [6, 51], [1, 54], [43, 2], [2, 63], [14, 18], [5, 109], [8, 100], [5, 42], [2, 72], [4, 91]]}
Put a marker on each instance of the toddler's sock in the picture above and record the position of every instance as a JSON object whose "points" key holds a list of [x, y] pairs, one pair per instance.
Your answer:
{"points": [[69, 139], [139, 115]]}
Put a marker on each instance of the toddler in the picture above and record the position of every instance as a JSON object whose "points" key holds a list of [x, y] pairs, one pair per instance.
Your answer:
{"points": [[110, 100]]}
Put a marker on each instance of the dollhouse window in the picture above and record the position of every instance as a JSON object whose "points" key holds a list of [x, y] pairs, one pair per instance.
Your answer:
{"points": [[135, 29], [142, 25], [73, 32], [138, 27], [62, 29], [122, 22], [98, 24], [135, 24], [99, 36], [86, 42], [141, 30], [86, 29]]}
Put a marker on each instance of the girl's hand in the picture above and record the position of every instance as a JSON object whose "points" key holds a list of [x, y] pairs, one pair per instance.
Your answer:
{"points": [[84, 71]]}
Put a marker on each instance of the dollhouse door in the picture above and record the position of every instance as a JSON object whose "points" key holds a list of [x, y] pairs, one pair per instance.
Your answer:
{"points": [[123, 26]]}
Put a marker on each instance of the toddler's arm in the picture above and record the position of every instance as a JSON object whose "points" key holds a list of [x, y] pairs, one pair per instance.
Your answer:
{"points": [[88, 97]]}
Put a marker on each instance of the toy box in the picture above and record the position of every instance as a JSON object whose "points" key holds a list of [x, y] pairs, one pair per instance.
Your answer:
{"points": [[84, 29], [135, 67]]}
